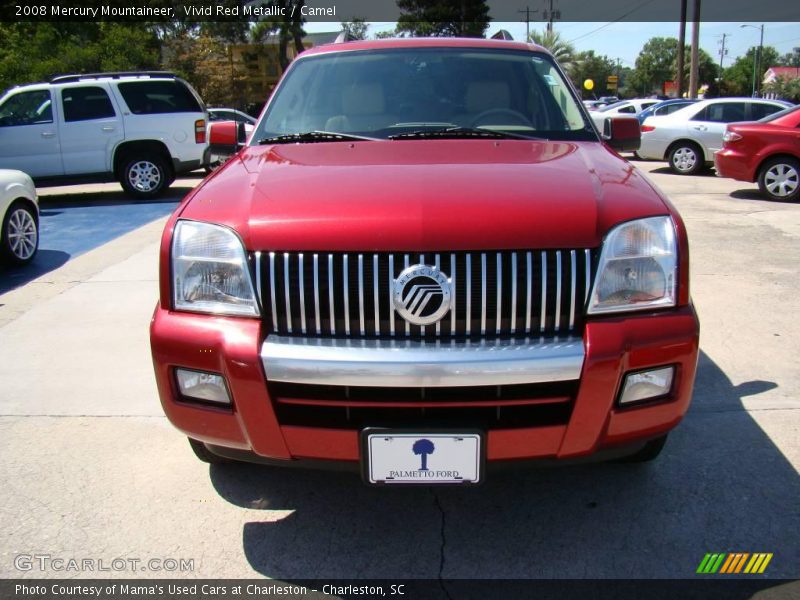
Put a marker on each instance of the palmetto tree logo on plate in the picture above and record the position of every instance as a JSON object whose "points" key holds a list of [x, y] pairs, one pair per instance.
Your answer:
{"points": [[423, 448]]}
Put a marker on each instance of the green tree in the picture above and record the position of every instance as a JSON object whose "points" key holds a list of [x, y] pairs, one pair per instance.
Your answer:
{"points": [[204, 61], [38, 51], [657, 63], [357, 28], [588, 65], [739, 76], [562, 50], [289, 29], [785, 88], [443, 18]]}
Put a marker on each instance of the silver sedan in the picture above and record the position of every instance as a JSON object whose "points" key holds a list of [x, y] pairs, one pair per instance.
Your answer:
{"points": [[688, 138]]}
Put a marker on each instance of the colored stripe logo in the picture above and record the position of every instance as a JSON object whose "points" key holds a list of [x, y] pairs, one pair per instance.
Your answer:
{"points": [[734, 562]]}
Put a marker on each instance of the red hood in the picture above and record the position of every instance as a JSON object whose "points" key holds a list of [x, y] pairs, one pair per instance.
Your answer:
{"points": [[424, 195]]}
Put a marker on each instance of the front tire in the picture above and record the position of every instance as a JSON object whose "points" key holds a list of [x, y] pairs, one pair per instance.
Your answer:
{"points": [[20, 235], [779, 179], [685, 158], [146, 176]]}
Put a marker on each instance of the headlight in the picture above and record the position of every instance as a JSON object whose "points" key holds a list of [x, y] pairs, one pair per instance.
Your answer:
{"points": [[209, 271], [637, 267]]}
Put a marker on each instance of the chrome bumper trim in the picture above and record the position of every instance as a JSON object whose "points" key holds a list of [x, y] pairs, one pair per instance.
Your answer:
{"points": [[407, 363]]}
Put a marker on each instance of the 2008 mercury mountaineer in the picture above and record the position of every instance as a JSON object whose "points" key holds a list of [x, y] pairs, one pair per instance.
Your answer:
{"points": [[426, 260]]}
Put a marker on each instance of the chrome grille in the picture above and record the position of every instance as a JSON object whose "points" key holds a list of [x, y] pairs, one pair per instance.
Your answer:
{"points": [[514, 293]]}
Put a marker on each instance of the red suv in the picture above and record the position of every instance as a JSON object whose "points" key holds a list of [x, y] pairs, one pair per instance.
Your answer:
{"points": [[426, 261]]}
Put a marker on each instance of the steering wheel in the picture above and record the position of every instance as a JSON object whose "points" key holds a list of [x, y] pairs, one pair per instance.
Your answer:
{"points": [[518, 116]]}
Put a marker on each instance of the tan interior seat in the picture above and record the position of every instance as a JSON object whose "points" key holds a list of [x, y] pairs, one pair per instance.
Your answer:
{"points": [[363, 108]]}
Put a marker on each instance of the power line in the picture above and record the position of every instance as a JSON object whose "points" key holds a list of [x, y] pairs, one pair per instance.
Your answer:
{"points": [[617, 20]]}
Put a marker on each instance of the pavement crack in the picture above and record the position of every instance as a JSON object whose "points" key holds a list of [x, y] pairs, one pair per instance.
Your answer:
{"points": [[442, 545]]}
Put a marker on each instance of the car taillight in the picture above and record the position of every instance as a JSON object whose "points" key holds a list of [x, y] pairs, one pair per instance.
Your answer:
{"points": [[648, 128], [200, 131], [731, 136]]}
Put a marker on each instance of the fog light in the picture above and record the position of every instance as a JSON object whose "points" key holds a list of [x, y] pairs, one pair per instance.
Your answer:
{"points": [[199, 385], [645, 385]]}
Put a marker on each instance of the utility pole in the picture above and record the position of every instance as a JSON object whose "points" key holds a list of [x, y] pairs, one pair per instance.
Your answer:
{"points": [[694, 66], [722, 53], [527, 12], [681, 46], [551, 16], [757, 60]]}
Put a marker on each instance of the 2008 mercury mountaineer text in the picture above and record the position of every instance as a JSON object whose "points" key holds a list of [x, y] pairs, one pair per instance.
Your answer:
{"points": [[426, 261]]}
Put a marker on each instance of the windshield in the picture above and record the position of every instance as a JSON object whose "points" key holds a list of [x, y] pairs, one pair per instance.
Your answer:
{"points": [[386, 93]]}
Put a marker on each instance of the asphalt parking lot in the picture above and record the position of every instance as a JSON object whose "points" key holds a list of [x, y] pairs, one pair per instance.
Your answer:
{"points": [[92, 469]]}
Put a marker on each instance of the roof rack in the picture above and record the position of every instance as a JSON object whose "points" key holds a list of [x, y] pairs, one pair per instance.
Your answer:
{"points": [[503, 35], [345, 36], [111, 75]]}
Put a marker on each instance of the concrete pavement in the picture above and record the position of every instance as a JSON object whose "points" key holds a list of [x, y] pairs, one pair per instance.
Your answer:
{"points": [[92, 469]]}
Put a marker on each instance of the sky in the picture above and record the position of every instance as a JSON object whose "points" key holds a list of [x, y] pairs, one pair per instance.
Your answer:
{"points": [[605, 38]]}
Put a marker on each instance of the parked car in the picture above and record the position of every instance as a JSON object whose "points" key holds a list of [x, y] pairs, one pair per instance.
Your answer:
{"points": [[218, 115], [688, 138], [625, 107], [665, 107], [417, 284], [767, 151], [141, 129], [230, 114], [608, 99], [19, 215]]}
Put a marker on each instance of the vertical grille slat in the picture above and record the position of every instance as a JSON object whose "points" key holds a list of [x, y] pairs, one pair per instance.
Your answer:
{"points": [[468, 279], [406, 264], [573, 281], [375, 295], [493, 293], [483, 293], [529, 283], [544, 293], [316, 295], [453, 307], [346, 282], [286, 291], [361, 326], [331, 302], [301, 280], [558, 292], [499, 296], [391, 294]]}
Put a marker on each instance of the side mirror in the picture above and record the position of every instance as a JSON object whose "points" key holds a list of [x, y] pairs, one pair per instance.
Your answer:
{"points": [[226, 138], [623, 134], [241, 134]]}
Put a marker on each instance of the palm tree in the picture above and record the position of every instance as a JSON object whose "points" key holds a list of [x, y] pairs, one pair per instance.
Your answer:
{"points": [[563, 51], [423, 448]]}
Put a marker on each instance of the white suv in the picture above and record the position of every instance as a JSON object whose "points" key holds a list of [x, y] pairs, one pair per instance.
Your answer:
{"points": [[141, 129]]}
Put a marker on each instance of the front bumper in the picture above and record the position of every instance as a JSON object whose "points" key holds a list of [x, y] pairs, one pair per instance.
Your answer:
{"points": [[611, 347]]}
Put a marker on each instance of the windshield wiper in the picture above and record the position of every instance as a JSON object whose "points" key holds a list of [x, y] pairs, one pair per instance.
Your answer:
{"points": [[461, 132], [309, 137]]}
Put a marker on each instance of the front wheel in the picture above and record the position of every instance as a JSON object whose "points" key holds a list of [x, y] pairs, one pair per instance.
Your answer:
{"points": [[686, 158], [20, 235], [146, 176], [779, 179]]}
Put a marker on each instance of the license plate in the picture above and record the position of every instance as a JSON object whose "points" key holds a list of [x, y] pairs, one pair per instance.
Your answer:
{"points": [[393, 457]]}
